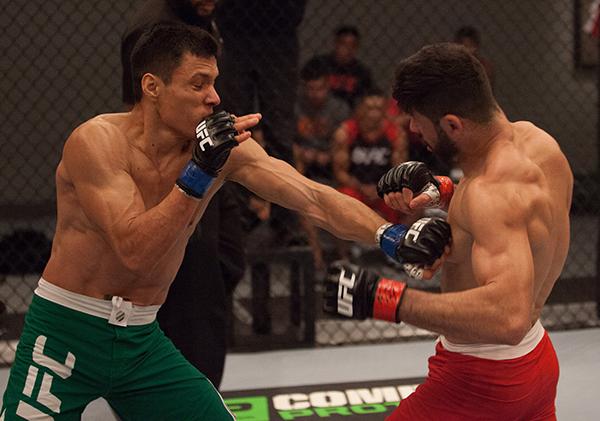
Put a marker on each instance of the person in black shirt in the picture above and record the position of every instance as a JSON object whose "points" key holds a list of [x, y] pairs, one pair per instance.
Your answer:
{"points": [[349, 79]]}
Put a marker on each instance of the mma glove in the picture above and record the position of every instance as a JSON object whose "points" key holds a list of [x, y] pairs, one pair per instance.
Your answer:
{"points": [[417, 177], [215, 138], [421, 244], [360, 294]]}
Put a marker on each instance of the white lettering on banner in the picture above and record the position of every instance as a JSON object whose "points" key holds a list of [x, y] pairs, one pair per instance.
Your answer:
{"points": [[290, 402], [336, 398], [405, 391], [327, 399], [373, 395], [415, 229], [344, 295], [203, 136]]}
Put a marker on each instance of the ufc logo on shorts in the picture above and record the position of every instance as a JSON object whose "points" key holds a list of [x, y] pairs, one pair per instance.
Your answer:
{"points": [[344, 304], [44, 395], [415, 229], [203, 136]]}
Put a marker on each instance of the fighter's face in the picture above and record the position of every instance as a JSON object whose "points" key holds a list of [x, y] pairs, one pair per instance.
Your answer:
{"points": [[434, 137], [190, 96]]}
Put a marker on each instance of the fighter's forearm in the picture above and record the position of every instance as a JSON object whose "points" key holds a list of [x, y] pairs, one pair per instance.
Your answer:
{"points": [[475, 316], [147, 237], [343, 216]]}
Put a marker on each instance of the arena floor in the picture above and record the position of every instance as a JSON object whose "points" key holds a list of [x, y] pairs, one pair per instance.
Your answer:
{"points": [[361, 366]]}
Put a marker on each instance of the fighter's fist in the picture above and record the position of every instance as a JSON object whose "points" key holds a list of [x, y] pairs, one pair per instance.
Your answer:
{"points": [[215, 138], [417, 246], [360, 294], [427, 189]]}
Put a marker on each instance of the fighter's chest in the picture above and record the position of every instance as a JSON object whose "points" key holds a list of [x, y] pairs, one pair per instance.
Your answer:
{"points": [[462, 240], [154, 181]]}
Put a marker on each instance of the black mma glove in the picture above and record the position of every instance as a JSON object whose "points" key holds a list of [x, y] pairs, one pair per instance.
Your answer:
{"points": [[215, 137], [417, 177], [419, 245], [360, 294]]}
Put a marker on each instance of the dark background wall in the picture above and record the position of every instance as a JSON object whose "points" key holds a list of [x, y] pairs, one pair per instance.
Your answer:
{"points": [[60, 65]]}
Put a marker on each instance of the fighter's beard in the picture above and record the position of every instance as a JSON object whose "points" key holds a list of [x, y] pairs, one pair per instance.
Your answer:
{"points": [[445, 149]]}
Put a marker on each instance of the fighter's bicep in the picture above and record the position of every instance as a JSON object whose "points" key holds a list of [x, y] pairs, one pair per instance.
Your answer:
{"points": [[105, 190], [501, 250]]}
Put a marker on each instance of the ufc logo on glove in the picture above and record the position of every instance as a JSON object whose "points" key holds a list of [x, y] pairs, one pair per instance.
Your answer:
{"points": [[344, 295], [203, 136], [415, 229]]}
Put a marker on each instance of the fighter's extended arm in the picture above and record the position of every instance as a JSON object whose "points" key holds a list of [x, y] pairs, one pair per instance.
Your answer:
{"points": [[500, 309], [278, 182], [109, 197], [345, 217]]}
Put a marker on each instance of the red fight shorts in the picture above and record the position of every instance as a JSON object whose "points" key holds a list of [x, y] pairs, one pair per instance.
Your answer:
{"points": [[463, 387]]}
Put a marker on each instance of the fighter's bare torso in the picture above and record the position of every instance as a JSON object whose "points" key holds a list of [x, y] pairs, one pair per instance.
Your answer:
{"points": [[531, 173], [82, 260]]}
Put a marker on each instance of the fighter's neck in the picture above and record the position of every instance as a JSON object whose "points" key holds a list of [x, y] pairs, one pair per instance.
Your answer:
{"points": [[482, 141], [152, 137]]}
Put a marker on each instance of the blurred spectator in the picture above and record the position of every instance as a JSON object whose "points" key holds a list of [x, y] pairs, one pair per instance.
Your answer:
{"points": [[349, 79], [469, 37], [318, 114], [259, 66], [365, 147], [194, 315]]}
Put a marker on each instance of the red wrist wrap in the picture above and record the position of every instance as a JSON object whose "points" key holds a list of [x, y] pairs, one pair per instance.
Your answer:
{"points": [[387, 299], [446, 189]]}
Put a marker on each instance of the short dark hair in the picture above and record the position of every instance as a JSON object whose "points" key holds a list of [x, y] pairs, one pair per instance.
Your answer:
{"points": [[314, 70], [467, 32], [160, 48], [370, 92], [444, 79], [347, 30]]}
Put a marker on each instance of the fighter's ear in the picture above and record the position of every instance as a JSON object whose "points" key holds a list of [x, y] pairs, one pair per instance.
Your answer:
{"points": [[452, 124], [151, 85]]}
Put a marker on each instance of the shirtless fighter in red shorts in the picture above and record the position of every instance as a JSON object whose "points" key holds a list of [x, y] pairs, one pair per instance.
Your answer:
{"points": [[509, 218]]}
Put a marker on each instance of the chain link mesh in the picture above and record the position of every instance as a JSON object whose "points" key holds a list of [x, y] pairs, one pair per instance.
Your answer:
{"points": [[61, 66]]}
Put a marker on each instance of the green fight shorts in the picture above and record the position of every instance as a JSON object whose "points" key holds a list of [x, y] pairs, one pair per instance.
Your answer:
{"points": [[75, 349]]}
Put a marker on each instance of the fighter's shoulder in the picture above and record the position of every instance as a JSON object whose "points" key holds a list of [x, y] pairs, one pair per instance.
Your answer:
{"points": [[100, 137], [540, 149], [96, 131]]}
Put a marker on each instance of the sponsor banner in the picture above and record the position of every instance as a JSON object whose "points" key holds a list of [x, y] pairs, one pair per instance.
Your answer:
{"points": [[368, 400]]}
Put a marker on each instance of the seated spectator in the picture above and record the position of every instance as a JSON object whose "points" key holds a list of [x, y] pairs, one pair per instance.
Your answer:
{"points": [[318, 114], [348, 77], [470, 38], [365, 147]]}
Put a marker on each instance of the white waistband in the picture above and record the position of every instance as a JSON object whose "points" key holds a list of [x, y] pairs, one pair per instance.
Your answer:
{"points": [[499, 352], [132, 315]]}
